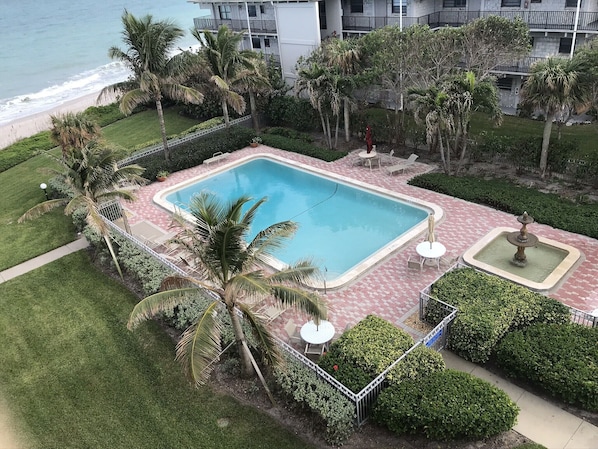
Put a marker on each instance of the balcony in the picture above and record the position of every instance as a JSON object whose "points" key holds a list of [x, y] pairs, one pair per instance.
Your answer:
{"points": [[537, 20], [257, 26]]}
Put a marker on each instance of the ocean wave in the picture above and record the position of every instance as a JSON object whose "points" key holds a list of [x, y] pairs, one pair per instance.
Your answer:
{"points": [[77, 86]]}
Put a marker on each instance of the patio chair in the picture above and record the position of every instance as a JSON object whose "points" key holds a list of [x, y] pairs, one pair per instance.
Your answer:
{"points": [[403, 165], [389, 158], [415, 264], [313, 349], [448, 260], [270, 313], [293, 333]]}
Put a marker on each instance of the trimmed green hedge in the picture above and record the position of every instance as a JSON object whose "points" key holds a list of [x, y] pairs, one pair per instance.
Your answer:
{"points": [[302, 147], [364, 351], [489, 307], [446, 405], [304, 386], [420, 362], [546, 208], [560, 359], [25, 149]]}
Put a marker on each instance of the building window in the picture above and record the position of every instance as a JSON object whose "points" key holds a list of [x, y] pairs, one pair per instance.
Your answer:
{"points": [[266, 42], [536, 1], [571, 3], [224, 11], [262, 9], [252, 10], [356, 6], [531, 41], [504, 83], [565, 45], [510, 3], [322, 14], [399, 6], [454, 3], [255, 42]]}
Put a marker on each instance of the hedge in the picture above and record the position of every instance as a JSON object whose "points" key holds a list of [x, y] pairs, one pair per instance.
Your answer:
{"points": [[302, 147], [560, 359], [304, 387], [364, 351], [546, 208], [446, 405], [420, 362], [489, 307]]}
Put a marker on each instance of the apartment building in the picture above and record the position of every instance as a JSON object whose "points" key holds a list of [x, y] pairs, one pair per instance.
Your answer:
{"points": [[285, 30]]}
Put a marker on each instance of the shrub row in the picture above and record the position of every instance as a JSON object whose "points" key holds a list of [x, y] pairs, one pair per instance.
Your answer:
{"points": [[292, 112], [546, 208], [489, 307], [25, 149], [304, 387], [420, 362], [446, 405], [302, 147], [561, 359], [364, 351]]}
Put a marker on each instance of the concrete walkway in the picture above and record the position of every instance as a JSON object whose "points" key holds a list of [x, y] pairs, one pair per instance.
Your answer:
{"points": [[38, 261], [538, 420]]}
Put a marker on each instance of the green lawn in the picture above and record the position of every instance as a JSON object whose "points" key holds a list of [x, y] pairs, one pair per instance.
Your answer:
{"points": [[20, 191], [75, 377], [143, 128]]}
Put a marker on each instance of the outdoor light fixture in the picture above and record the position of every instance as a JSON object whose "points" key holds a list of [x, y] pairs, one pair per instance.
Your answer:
{"points": [[44, 187]]}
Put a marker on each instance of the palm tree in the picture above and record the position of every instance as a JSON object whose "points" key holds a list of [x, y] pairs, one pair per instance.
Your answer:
{"points": [[224, 65], [233, 271], [93, 177], [553, 84], [156, 74], [255, 82], [73, 131]]}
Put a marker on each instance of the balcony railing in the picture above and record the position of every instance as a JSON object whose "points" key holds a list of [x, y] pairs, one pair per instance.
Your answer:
{"points": [[520, 67], [257, 25], [537, 20]]}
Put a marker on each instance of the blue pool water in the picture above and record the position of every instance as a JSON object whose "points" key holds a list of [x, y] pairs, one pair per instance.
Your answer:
{"points": [[339, 225]]}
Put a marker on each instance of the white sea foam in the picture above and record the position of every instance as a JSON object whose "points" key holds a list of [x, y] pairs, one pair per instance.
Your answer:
{"points": [[85, 83]]}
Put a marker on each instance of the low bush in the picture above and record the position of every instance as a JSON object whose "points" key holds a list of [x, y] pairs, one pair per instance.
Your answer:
{"points": [[302, 147], [489, 307], [289, 133], [364, 351], [304, 387], [292, 112], [446, 405], [25, 149], [420, 362], [560, 359], [546, 208]]}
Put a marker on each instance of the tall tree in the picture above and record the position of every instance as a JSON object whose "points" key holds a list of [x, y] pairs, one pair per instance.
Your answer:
{"points": [[493, 41], [233, 270], [554, 84], [254, 83], [92, 177], [157, 73], [73, 131], [224, 65]]}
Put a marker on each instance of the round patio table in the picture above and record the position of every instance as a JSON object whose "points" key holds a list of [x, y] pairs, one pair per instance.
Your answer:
{"points": [[317, 334], [431, 251]]}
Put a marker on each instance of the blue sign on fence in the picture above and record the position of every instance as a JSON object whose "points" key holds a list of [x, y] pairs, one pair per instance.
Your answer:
{"points": [[435, 337]]}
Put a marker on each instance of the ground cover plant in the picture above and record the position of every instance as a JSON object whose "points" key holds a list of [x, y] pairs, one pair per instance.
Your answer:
{"points": [[560, 359], [489, 307], [74, 376], [446, 405], [20, 191], [364, 351]]}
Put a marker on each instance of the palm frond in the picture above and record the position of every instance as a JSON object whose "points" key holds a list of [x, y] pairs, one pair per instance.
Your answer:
{"points": [[264, 338], [157, 303], [199, 346], [42, 208]]}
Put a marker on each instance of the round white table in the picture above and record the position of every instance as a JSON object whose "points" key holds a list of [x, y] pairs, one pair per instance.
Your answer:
{"points": [[368, 157], [431, 251], [317, 335]]}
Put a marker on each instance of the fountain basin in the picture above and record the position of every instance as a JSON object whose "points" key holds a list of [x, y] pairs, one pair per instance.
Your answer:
{"points": [[549, 261]]}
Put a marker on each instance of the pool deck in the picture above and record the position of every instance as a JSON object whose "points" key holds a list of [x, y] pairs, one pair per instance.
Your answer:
{"points": [[389, 289]]}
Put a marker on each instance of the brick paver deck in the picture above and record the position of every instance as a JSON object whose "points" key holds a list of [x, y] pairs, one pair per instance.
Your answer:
{"points": [[389, 289]]}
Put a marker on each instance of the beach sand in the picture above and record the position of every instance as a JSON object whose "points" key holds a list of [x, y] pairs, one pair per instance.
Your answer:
{"points": [[32, 124]]}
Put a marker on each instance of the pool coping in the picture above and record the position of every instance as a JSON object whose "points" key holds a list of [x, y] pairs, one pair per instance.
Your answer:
{"points": [[358, 270], [558, 275]]}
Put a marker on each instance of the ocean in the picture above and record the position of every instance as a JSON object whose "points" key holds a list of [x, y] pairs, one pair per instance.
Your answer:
{"points": [[54, 51]]}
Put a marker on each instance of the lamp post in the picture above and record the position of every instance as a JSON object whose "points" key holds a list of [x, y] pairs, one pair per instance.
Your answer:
{"points": [[44, 187]]}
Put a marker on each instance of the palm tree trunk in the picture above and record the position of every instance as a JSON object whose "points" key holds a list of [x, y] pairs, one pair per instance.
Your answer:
{"points": [[225, 113], [163, 129], [347, 117], [442, 156], [338, 119], [253, 107], [246, 366], [545, 144]]}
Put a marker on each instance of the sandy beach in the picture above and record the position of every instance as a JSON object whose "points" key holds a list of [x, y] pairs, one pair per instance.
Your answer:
{"points": [[32, 124]]}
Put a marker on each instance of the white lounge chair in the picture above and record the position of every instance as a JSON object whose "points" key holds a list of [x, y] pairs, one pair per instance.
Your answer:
{"points": [[403, 165], [293, 333]]}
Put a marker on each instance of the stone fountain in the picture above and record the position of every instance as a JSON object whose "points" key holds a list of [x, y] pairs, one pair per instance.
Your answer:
{"points": [[522, 240]]}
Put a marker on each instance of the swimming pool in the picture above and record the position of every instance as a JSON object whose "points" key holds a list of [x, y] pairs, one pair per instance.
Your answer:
{"points": [[343, 226]]}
